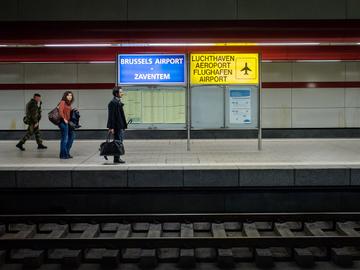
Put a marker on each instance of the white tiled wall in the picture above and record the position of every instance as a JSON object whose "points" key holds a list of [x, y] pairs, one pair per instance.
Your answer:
{"points": [[94, 99], [276, 117], [282, 108], [352, 104], [352, 97], [318, 98], [352, 117], [50, 73], [276, 72], [92, 103], [11, 73], [311, 107], [96, 73], [276, 104], [94, 119], [353, 71], [276, 98], [12, 100], [11, 119], [308, 72], [318, 118]]}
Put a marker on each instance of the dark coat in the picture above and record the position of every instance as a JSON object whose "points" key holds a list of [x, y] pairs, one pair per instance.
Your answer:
{"points": [[116, 115], [75, 116], [33, 112]]}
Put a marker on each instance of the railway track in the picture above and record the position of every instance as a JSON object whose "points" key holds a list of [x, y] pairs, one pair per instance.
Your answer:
{"points": [[183, 239]]}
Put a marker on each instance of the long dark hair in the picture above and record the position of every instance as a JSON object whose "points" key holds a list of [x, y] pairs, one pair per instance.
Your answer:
{"points": [[65, 99]]}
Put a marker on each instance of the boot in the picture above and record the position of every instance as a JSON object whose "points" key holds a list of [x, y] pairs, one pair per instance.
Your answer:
{"points": [[20, 146], [41, 146]]}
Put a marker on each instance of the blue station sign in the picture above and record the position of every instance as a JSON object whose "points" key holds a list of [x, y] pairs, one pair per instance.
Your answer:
{"points": [[151, 69]]}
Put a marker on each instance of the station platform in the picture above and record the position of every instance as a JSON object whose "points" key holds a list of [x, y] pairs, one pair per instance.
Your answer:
{"points": [[161, 176], [167, 163]]}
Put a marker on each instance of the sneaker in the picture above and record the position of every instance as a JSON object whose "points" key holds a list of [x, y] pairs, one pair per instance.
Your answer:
{"points": [[70, 156], [20, 146], [119, 161], [41, 146]]}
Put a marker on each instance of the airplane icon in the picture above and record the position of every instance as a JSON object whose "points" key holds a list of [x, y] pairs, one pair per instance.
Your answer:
{"points": [[246, 69]]}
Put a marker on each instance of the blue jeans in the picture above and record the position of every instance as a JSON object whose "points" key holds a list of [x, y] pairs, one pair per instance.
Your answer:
{"points": [[118, 136], [67, 139]]}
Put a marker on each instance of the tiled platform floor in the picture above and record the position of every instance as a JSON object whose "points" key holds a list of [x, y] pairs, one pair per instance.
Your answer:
{"points": [[279, 153]]}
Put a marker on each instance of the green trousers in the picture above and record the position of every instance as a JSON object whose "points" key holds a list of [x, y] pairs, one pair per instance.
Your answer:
{"points": [[32, 130]]}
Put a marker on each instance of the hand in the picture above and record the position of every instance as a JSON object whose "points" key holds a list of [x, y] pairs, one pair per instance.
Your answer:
{"points": [[36, 125], [66, 121], [111, 131]]}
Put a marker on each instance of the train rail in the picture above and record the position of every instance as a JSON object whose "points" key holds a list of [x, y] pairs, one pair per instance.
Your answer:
{"points": [[184, 239]]}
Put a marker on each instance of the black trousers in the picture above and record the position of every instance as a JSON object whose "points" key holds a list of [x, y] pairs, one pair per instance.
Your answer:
{"points": [[118, 136]]}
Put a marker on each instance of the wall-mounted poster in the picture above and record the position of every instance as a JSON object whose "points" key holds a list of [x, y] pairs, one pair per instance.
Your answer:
{"points": [[240, 106]]}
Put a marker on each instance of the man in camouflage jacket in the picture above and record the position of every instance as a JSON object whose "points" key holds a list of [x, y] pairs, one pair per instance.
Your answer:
{"points": [[32, 119]]}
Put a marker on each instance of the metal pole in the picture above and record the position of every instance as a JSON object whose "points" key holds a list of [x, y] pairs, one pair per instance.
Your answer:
{"points": [[259, 108], [188, 104], [225, 113], [117, 70]]}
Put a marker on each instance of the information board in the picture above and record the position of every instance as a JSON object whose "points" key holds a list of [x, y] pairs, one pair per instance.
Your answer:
{"points": [[150, 69], [148, 106], [224, 69]]}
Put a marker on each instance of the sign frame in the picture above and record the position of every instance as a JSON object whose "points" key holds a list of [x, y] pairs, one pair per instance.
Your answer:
{"points": [[259, 86], [188, 85]]}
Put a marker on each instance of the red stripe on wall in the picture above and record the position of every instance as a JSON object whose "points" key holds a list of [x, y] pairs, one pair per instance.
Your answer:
{"points": [[100, 86], [55, 86], [311, 84]]}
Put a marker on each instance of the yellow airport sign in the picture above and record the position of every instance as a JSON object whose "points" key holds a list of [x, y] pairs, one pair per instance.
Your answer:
{"points": [[224, 68]]}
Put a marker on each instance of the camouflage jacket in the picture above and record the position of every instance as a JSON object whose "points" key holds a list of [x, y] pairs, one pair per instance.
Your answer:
{"points": [[33, 112]]}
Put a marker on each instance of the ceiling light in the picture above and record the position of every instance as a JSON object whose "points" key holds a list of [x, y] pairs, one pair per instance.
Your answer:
{"points": [[180, 44], [318, 61], [102, 62], [78, 45], [288, 44]]}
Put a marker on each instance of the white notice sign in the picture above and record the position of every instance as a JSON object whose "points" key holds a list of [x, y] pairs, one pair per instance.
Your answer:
{"points": [[240, 106]]}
